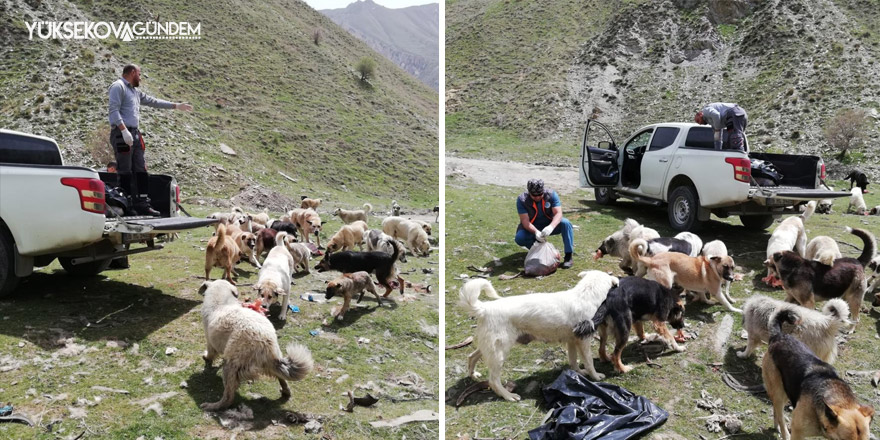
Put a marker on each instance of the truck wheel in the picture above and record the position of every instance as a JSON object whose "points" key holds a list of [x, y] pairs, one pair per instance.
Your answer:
{"points": [[756, 222], [8, 280], [683, 207], [604, 196], [84, 270]]}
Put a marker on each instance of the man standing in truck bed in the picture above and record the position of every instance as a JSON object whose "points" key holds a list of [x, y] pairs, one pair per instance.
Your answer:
{"points": [[126, 139], [722, 115]]}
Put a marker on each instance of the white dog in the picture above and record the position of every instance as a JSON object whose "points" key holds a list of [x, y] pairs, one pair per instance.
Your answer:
{"points": [[410, 232], [857, 202], [273, 282], [549, 317], [376, 240], [789, 235], [617, 244], [248, 343], [816, 330], [823, 249]]}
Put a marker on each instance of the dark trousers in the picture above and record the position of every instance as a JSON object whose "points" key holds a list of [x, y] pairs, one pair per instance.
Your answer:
{"points": [[736, 126], [130, 161]]}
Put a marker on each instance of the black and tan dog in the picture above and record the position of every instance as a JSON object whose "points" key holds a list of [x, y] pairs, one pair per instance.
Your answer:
{"points": [[380, 263], [824, 405], [635, 300], [804, 280]]}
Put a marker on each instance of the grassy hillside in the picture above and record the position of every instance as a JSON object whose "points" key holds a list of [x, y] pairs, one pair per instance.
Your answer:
{"points": [[408, 36], [538, 71], [259, 84]]}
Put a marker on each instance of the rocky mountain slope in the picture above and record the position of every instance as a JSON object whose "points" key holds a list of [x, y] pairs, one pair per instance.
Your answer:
{"points": [[540, 70], [407, 36], [259, 84]]}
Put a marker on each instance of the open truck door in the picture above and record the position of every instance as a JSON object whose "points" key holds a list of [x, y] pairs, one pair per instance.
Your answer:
{"points": [[599, 167]]}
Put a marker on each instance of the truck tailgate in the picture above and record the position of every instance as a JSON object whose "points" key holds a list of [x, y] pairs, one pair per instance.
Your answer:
{"points": [[793, 193], [143, 225]]}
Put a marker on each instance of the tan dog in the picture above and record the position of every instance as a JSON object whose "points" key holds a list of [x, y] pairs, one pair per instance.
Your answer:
{"points": [[697, 274], [247, 243], [273, 282], [308, 203], [425, 225], [348, 237], [824, 405], [248, 343], [823, 249], [307, 221], [260, 219], [410, 232], [349, 217], [348, 285], [222, 251]]}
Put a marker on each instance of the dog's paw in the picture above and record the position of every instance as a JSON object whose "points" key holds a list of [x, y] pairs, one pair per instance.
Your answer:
{"points": [[209, 406], [597, 376], [680, 348], [513, 397], [624, 369], [742, 354], [476, 375]]}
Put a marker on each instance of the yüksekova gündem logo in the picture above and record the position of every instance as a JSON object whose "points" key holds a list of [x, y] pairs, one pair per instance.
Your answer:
{"points": [[123, 30]]}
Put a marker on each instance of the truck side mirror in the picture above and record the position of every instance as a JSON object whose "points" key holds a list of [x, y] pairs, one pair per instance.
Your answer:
{"points": [[605, 145]]}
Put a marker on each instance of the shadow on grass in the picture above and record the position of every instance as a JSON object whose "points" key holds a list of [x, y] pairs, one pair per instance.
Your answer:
{"points": [[206, 386], [746, 371], [50, 306], [355, 313], [511, 264]]}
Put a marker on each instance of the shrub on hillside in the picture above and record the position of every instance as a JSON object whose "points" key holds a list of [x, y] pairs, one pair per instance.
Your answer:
{"points": [[98, 145], [366, 67], [317, 35], [846, 130]]}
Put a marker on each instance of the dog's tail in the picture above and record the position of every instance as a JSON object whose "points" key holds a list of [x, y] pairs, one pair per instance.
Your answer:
{"points": [[808, 211], [368, 208], [778, 318], [280, 238], [221, 235], [296, 365], [870, 244], [637, 250], [469, 296], [837, 309], [587, 327]]}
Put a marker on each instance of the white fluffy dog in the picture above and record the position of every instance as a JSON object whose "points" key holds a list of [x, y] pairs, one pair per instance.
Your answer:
{"points": [[857, 202], [549, 317], [816, 330], [823, 249], [617, 244], [273, 282], [248, 343], [789, 235], [410, 232]]}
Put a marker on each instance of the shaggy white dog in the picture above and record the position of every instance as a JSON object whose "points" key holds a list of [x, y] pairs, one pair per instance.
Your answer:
{"points": [[816, 330], [789, 235], [248, 343], [823, 249], [857, 202], [549, 317]]}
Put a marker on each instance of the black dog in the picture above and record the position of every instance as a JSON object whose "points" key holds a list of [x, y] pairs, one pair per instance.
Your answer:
{"points": [[288, 227], [858, 178], [627, 305], [669, 244], [376, 262]]}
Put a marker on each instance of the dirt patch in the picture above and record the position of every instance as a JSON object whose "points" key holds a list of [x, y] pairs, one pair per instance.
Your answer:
{"points": [[490, 172]]}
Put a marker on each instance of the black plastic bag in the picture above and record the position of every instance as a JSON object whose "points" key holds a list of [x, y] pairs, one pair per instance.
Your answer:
{"points": [[765, 172], [585, 410]]}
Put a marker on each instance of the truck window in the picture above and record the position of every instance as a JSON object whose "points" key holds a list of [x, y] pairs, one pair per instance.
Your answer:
{"points": [[639, 143], [27, 150], [663, 137]]}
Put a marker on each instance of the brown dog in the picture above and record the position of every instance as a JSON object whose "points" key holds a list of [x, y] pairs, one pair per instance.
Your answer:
{"points": [[222, 251], [348, 237], [348, 285], [307, 221], [308, 203], [824, 405], [697, 274]]}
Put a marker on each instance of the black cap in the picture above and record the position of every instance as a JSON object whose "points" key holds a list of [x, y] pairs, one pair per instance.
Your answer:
{"points": [[535, 187]]}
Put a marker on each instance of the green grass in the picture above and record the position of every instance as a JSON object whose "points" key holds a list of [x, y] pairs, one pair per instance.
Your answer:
{"points": [[155, 305], [483, 236], [491, 143]]}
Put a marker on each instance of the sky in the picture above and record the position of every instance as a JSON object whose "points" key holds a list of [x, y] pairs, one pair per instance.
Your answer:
{"points": [[393, 4]]}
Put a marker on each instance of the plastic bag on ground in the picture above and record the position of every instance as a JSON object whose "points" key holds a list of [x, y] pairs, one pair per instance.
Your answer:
{"points": [[584, 410], [542, 259]]}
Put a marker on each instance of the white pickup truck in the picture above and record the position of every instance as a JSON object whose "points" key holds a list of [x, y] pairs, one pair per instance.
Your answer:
{"points": [[676, 165], [49, 210]]}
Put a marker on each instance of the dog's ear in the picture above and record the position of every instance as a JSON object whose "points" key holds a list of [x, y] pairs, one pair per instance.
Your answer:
{"points": [[280, 292], [830, 414], [866, 411], [715, 259], [204, 287], [258, 286]]}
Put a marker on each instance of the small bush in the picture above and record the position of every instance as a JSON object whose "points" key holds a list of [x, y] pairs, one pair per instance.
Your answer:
{"points": [[317, 35], [366, 67], [98, 145], [846, 130]]}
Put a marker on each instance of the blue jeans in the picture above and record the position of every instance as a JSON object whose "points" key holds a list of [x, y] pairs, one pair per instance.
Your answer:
{"points": [[527, 239]]}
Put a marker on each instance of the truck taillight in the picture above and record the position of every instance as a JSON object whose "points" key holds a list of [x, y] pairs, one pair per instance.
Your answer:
{"points": [[742, 168], [822, 171], [91, 193], [177, 197]]}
